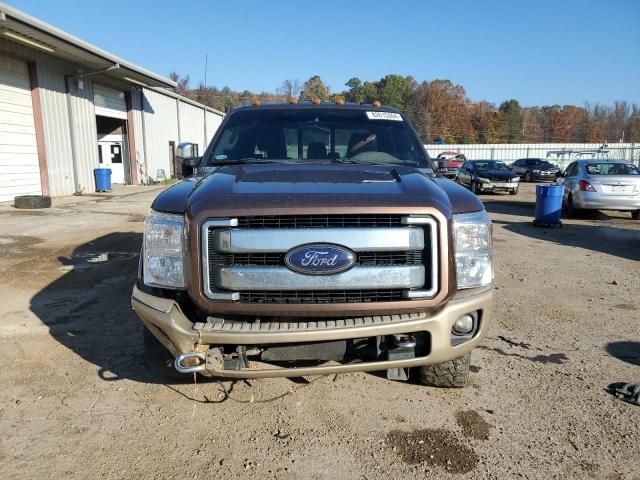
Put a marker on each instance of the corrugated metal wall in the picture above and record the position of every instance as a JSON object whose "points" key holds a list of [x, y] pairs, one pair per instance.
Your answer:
{"points": [[213, 122], [85, 134], [19, 165], [155, 131], [55, 120], [192, 125], [160, 128]]}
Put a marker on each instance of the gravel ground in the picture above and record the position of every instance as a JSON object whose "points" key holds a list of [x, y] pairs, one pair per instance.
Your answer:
{"points": [[77, 402]]}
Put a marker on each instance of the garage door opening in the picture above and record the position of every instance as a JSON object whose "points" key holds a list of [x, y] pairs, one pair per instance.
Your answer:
{"points": [[113, 151], [19, 166]]}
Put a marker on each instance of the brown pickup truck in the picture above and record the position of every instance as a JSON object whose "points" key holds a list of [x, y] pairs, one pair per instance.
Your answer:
{"points": [[315, 238]]}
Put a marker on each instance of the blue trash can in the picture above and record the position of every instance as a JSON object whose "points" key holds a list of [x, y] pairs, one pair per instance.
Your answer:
{"points": [[103, 179], [548, 205]]}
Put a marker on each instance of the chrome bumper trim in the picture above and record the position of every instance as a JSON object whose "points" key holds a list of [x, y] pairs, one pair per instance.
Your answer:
{"points": [[283, 279]]}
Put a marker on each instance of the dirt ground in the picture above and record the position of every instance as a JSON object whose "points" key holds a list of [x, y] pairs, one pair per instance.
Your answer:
{"points": [[77, 402]]}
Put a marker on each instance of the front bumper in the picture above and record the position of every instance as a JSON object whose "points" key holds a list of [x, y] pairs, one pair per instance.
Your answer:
{"points": [[545, 176], [598, 201], [498, 186], [176, 332]]}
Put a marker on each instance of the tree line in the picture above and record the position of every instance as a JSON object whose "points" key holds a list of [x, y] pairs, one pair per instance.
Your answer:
{"points": [[441, 110]]}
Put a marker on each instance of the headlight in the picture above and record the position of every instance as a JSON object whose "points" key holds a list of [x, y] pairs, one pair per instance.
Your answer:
{"points": [[484, 180], [536, 170], [472, 246], [515, 179], [164, 242]]}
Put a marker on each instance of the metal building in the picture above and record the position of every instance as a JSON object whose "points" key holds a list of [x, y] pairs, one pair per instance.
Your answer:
{"points": [[67, 107]]}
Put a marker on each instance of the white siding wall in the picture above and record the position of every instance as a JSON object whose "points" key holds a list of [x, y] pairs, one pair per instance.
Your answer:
{"points": [[55, 119], [161, 126], [19, 166], [160, 122], [192, 125], [85, 135], [213, 122]]}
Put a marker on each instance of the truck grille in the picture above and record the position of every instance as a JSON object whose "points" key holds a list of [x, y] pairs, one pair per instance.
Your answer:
{"points": [[410, 257], [244, 259]]}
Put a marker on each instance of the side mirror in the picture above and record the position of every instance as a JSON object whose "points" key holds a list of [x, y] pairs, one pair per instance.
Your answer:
{"points": [[187, 159]]}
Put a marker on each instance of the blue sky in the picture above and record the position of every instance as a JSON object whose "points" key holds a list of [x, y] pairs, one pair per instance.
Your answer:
{"points": [[539, 52]]}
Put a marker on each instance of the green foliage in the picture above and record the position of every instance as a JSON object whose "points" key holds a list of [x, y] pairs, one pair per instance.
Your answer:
{"points": [[314, 87], [512, 114]]}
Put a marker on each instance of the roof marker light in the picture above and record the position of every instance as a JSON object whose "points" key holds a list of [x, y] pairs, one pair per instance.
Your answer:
{"points": [[340, 100], [375, 103], [255, 102], [293, 100], [315, 100]]}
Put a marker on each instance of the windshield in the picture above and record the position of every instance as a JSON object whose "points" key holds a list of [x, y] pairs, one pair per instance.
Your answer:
{"points": [[612, 169], [483, 166], [312, 135], [547, 165]]}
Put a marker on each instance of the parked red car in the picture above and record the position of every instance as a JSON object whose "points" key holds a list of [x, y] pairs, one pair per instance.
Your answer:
{"points": [[449, 163]]}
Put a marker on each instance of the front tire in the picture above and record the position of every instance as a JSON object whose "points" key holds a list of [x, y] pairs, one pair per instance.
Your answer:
{"points": [[635, 215], [474, 187], [451, 374], [514, 191], [528, 177]]}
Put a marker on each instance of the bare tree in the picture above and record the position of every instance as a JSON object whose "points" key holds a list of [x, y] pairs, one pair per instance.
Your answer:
{"points": [[183, 82], [290, 88]]}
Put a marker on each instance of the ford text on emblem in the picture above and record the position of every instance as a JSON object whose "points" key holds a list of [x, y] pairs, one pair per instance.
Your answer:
{"points": [[319, 259]]}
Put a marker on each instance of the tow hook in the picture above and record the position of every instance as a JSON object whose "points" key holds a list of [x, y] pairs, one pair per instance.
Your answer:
{"points": [[190, 355]]}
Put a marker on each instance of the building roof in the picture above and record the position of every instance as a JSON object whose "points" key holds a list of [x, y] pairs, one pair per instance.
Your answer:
{"points": [[18, 26]]}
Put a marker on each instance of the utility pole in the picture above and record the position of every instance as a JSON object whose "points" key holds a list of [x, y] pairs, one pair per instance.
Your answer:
{"points": [[206, 58]]}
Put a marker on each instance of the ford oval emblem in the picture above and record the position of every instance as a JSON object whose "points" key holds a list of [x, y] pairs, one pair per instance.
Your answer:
{"points": [[319, 259]]}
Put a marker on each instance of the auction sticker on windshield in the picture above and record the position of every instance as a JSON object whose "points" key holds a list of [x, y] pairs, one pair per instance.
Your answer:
{"points": [[384, 116]]}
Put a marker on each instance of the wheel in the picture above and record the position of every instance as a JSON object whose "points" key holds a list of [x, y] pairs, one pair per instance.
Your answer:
{"points": [[572, 211], [528, 177], [32, 201], [514, 191], [451, 374], [474, 187], [635, 215], [158, 359]]}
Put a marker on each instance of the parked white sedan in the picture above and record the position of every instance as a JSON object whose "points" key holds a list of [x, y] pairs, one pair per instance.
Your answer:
{"points": [[601, 185]]}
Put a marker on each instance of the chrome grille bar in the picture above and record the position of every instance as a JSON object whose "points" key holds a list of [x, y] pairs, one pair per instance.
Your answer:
{"points": [[284, 239], [281, 278]]}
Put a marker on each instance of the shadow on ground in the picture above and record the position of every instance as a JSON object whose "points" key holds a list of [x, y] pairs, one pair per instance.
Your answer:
{"points": [[626, 351], [620, 242], [88, 310]]}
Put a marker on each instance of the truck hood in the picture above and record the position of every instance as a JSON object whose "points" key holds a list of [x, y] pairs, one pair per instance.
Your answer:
{"points": [[269, 187]]}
